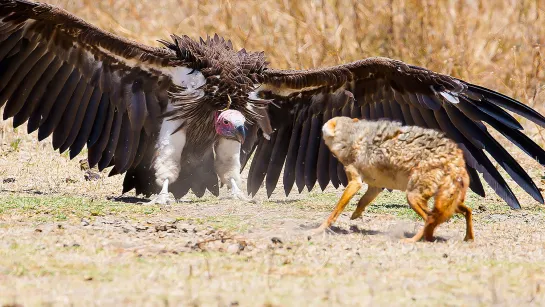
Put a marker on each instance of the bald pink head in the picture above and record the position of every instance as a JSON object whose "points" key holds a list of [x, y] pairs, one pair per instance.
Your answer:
{"points": [[230, 124]]}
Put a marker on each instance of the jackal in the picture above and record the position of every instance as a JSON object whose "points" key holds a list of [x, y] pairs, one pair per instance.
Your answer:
{"points": [[384, 154]]}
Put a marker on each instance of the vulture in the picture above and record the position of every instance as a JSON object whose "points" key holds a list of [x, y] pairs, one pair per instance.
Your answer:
{"points": [[190, 114]]}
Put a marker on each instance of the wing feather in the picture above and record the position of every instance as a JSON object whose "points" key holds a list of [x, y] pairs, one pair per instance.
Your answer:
{"points": [[291, 158], [278, 157], [311, 157], [72, 120], [95, 100], [64, 121], [301, 155]]}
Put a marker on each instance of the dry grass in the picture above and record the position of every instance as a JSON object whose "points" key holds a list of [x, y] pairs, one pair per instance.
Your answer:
{"points": [[109, 251]]}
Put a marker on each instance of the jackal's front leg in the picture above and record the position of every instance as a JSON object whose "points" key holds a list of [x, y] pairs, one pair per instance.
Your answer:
{"points": [[354, 184]]}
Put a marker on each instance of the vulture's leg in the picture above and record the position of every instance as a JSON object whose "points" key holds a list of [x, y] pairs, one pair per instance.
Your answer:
{"points": [[163, 198], [227, 165], [167, 162]]}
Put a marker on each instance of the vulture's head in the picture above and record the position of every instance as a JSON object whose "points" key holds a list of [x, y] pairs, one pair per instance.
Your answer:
{"points": [[230, 124], [217, 78]]}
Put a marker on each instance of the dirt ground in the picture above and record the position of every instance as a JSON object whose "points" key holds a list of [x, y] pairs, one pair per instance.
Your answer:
{"points": [[67, 240]]}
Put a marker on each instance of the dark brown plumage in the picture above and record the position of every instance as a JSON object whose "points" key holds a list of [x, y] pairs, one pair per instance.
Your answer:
{"points": [[91, 88]]}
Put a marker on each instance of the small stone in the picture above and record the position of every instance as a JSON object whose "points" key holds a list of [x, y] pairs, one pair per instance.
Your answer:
{"points": [[234, 248], [59, 226], [141, 228], [8, 180], [126, 230], [160, 228], [91, 176], [38, 230], [88, 278], [84, 222], [482, 208], [276, 240], [83, 164], [76, 245], [445, 256]]}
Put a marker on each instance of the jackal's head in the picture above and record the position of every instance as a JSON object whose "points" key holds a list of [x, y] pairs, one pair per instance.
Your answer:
{"points": [[337, 133]]}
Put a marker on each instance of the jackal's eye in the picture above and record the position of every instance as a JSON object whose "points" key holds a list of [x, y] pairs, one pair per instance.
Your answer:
{"points": [[225, 122]]}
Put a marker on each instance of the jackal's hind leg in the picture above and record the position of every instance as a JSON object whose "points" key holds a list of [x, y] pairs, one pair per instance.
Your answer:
{"points": [[370, 195], [466, 211]]}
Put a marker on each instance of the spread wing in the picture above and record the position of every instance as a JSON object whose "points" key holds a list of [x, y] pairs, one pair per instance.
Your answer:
{"points": [[83, 85], [383, 88]]}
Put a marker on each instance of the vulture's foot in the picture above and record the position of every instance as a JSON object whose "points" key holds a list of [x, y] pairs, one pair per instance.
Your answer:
{"points": [[236, 193], [163, 198]]}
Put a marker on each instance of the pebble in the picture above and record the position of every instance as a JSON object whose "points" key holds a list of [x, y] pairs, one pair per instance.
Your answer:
{"points": [[141, 228], [276, 240], [91, 176], [161, 228], [84, 222], [8, 180], [234, 248]]}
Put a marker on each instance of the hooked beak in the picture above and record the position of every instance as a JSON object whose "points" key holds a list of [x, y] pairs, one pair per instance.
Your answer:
{"points": [[240, 133]]}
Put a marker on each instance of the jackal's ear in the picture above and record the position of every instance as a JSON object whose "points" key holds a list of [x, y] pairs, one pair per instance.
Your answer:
{"points": [[329, 127]]}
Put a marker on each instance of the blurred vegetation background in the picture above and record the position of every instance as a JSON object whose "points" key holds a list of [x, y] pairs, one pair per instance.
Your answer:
{"points": [[494, 43]]}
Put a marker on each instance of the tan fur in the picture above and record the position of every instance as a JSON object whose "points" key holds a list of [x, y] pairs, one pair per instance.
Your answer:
{"points": [[383, 154]]}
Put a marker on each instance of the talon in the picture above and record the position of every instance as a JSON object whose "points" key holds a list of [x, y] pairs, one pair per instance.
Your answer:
{"points": [[163, 198]]}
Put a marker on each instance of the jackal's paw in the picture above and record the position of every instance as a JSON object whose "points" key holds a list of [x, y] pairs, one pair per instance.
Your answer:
{"points": [[160, 199], [408, 240], [355, 215], [318, 231]]}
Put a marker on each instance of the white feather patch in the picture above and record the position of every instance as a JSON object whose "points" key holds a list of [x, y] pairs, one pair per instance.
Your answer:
{"points": [[449, 97], [227, 161], [282, 91], [169, 150], [180, 76]]}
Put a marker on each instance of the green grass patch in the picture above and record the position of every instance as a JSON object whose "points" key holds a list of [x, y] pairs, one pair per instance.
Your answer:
{"points": [[62, 208]]}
